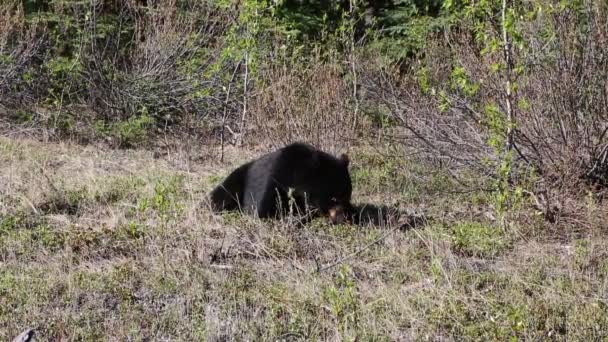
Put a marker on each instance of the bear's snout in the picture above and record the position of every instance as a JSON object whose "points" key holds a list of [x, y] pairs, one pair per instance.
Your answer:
{"points": [[339, 214]]}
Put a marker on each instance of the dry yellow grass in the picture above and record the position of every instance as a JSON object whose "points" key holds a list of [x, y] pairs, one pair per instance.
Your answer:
{"points": [[102, 244]]}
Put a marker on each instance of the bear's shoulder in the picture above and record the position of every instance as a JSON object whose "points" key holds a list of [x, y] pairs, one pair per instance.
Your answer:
{"points": [[299, 148]]}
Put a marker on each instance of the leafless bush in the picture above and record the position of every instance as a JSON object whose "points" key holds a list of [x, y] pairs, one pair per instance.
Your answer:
{"points": [[452, 135], [167, 69], [561, 116], [21, 46], [563, 131], [81, 62], [311, 104]]}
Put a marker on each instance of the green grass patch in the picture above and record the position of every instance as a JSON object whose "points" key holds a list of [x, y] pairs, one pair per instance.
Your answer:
{"points": [[132, 132], [479, 239], [24, 236], [65, 201], [167, 198], [120, 188]]}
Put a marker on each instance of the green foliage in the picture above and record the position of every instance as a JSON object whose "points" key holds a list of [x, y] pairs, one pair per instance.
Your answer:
{"points": [[66, 201], [406, 28], [377, 172], [485, 21], [23, 116], [309, 21], [14, 222], [49, 237], [73, 53], [165, 200], [422, 76], [495, 121], [480, 239], [165, 195], [134, 130], [133, 230], [129, 133], [397, 29], [507, 198], [119, 188], [288, 313], [62, 72], [242, 282], [462, 82], [444, 101], [343, 299], [379, 116], [244, 40], [122, 281], [76, 196], [21, 235]]}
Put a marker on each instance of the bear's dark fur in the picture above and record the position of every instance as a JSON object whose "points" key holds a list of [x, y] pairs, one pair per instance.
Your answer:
{"points": [[263, 187]]}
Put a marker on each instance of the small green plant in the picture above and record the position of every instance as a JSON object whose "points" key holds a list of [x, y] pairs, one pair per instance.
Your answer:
{"points": [[63, 72], [88, 280], [165, 200], [129, 133], [23, 240], [119, 188], [23, 116], [75, 197], [49, 237], [132, 230], [165, 197], [478, 239], [436, 268], [376, 172], [241, 282], [343, 299], [583, 251], [123, 280], [216, 179], [461, 81], [380, 117], [68, 201], [135, 130], [10, 223], [84, 241], [63, 121]]}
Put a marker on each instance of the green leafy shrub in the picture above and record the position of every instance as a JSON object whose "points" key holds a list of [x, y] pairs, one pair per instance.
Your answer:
{"points": [[129, 133], [478, 239]]}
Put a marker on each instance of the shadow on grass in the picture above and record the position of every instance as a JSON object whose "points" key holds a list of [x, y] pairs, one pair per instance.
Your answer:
{"points": [[363, 214], [382, 216]]}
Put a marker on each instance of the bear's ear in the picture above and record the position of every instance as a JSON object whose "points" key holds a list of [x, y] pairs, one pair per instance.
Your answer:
{"points": [[344, 158]]}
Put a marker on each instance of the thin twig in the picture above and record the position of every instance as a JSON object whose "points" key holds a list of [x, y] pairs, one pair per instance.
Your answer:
{"points": [[246, 79], [222, 130], [357, 252]]}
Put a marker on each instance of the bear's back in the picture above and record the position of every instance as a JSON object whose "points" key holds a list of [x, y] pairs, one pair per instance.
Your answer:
{"points": [[258, 182]]}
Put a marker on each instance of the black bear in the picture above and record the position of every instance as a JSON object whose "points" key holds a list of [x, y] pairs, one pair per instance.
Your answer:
{"points": [[311, 178]]}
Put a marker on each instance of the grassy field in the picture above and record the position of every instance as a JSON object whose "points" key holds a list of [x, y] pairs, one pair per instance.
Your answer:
{"points": [[99, 244]]}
